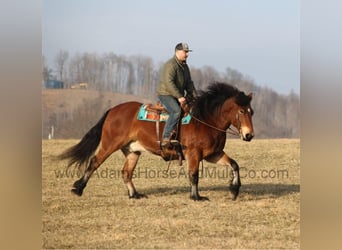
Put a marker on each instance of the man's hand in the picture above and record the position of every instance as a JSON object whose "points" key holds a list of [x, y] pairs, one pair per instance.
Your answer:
{"points": [[182, 100]]}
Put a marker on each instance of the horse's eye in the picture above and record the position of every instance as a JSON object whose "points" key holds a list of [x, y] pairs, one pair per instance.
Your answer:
{"points": [[241, 111], [250, 111]]}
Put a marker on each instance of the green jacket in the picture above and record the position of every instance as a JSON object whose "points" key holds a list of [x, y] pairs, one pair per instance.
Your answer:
{"points": [[176, 79]]}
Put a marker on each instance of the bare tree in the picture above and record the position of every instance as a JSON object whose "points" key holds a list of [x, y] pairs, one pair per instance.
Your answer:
{"points": [[47, 71], [75, 69], [60, 62]]}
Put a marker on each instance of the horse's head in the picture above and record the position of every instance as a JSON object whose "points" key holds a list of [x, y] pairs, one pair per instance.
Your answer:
{"points": [[243, 113], [223, 105]]}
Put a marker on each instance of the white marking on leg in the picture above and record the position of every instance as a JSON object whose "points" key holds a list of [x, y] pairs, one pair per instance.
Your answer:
{"points": [[130, 188], [136, 147], [235, 178], [98, 148]]}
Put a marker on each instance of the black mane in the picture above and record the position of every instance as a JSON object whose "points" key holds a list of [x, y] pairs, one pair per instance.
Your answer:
{"points": [[210, 100]]}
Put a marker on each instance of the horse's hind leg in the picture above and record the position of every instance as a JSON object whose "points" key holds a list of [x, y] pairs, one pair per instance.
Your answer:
{"points": [[81, 183], [94, 163], [127, 173]]}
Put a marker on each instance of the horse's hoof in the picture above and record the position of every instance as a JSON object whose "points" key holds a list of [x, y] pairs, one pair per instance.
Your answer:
{"points": [[234, 190], [79, 184], [138, 196], [77, 191], [199, 198]]}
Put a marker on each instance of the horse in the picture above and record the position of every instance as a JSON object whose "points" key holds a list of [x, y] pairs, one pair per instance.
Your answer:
{"points": [[213, 111]]}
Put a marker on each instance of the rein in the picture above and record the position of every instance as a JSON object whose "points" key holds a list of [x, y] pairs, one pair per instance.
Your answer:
{"points": [[187, 108], [232, 132]]}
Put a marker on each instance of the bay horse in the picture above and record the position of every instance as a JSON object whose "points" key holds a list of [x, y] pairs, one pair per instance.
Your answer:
{"points": [[213, 112]]}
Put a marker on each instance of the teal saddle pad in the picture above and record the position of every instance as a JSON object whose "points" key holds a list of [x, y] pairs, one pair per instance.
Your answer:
{"points": [[145, 115]]}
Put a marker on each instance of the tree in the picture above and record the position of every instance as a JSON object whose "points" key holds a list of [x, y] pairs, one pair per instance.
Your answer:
{"points": [[60, 62], [75, 69], [47, 72]]}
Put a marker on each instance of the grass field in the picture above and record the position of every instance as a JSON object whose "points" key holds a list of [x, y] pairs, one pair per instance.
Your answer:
{"points": [[266, 214]]}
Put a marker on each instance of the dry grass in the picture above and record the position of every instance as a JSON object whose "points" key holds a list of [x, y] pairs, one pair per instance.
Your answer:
{"points": [[265, 215]]}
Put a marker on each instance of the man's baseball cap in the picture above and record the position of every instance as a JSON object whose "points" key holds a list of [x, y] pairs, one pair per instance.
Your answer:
{"points": [[183, 46]]}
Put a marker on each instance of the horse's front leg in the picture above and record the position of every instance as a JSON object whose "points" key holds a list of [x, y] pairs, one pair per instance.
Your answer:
{"points": [[224, 160], [235, 182], [193, 166]]}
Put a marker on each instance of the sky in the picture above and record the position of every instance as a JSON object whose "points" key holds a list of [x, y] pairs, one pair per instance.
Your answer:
{"points": [[260, 39]]}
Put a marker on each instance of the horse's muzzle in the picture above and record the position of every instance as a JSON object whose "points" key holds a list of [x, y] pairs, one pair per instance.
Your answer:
{"points": [[248, 137]]}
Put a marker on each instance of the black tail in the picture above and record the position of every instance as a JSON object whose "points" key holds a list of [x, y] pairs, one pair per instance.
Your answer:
{"points": [[81, 152]]}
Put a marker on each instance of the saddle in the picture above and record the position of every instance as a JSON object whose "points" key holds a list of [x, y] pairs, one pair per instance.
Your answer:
{"points": [[157, 113], [158, 107]]}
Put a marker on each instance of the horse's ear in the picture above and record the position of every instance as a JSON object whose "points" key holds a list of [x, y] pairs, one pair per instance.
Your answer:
{"points": [[250, 95]]}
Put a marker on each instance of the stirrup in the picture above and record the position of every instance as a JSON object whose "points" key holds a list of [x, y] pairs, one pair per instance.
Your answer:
{"points": [[174, 142], [169, 142]]}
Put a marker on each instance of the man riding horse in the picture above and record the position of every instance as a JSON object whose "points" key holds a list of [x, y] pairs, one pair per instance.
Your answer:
{"points": [[174, 84]]}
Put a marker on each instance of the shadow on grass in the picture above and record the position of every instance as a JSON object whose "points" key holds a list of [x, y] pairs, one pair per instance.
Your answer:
{"points": [[257, 189], [254, 189]]}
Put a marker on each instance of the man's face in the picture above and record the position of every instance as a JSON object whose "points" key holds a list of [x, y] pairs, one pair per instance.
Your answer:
{"points": [[182, 55]]}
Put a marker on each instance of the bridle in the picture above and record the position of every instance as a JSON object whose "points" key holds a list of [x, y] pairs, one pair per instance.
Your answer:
{"points": [[187, 108]]}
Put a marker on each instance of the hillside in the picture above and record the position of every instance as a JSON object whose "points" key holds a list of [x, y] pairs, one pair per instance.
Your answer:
{"points": [[64, 100], [60, 108]]}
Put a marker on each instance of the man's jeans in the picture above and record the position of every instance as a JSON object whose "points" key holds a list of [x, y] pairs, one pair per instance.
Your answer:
{"points": [[172, 106]]}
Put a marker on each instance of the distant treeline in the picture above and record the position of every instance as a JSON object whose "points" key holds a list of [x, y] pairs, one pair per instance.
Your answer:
{"points": [[276, 115]]}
